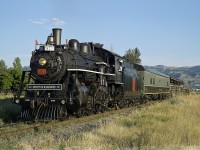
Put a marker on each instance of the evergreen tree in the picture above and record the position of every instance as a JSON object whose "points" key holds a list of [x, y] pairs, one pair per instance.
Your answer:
{"points": [[133, 56], [3, 73], [3, 66], [6, 81], [17, 64], [16, 72]]}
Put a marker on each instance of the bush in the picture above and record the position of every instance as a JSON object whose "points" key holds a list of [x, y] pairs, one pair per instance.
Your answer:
{"points": [[9, 111]]}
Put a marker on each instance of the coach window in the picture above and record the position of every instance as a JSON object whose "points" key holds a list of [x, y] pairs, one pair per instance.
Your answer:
{"points": [[150, 80], [120, 64], [153, 80]]}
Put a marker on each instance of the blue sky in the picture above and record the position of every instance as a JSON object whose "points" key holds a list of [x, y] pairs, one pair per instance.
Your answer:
{"points": [[167, 32]]}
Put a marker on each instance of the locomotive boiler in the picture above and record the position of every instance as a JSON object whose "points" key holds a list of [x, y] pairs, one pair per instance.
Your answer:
{"points": [[75, 79]]}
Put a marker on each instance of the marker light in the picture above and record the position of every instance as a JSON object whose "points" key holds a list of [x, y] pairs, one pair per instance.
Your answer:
{"points": [[17, 101], [41, 72]]}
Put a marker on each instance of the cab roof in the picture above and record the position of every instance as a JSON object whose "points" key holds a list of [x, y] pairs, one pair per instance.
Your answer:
{"points": [[139, 67]]}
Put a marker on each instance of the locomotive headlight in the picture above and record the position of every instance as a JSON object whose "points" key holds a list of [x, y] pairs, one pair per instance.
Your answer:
{"points": [[17, 101], [42, 61]]}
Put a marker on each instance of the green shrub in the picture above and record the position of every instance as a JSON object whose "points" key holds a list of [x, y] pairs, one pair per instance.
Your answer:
{"points": [[9, 111]]}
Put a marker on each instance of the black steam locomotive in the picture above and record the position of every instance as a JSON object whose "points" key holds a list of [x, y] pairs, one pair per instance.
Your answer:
{"points": [[83, 78]]}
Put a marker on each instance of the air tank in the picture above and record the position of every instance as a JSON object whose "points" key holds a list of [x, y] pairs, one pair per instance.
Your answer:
{"points": [[57, 35]]}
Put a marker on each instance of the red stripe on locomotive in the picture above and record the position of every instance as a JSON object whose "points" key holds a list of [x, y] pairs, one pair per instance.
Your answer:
{"points": [[133, 84]]}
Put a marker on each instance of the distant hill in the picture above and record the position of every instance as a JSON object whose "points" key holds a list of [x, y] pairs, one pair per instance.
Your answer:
{"points": [[187, 74], [26, 68]]}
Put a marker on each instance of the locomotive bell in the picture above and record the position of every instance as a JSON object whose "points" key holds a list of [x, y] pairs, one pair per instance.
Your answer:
{"points": [[57, 35], [50, 40]]}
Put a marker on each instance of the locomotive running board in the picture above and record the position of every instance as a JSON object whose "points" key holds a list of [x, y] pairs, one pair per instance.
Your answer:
{"points": [[84, 70]]}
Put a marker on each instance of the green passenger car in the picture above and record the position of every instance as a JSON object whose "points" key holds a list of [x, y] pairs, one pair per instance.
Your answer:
{"points": [[154, 84]]}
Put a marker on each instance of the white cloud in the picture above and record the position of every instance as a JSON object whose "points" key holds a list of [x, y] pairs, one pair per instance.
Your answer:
{"points": [[58, 22], [39, 21], [48, 22], [44, 20]]}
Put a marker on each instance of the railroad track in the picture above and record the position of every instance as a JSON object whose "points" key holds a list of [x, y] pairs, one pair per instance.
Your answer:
{"points": [[16, 129]]}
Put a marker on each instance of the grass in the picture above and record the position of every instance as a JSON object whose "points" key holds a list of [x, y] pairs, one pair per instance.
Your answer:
{"points": [[6, 96], [170, 124]]}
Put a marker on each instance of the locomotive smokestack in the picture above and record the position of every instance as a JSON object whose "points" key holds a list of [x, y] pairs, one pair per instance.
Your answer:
{"points": [[57, 35]]}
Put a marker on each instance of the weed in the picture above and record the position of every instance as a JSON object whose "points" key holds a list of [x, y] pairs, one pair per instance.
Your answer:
{"points": [[175, 100], [6, 96]]}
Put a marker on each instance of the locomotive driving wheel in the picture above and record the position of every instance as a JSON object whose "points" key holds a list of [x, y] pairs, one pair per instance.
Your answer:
{"points": [[79, 113], [101, 102], [123, 103], [100, 108], [63, 113]]}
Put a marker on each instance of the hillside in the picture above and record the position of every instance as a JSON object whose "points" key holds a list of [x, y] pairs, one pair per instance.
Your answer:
{"points": [[188, 74]]}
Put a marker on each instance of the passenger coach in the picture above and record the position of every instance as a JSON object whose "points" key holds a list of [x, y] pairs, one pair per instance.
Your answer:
{"points": [[154, 84]]}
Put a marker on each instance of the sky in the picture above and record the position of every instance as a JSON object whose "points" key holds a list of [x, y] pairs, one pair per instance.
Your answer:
{"points": [[167, 32]]}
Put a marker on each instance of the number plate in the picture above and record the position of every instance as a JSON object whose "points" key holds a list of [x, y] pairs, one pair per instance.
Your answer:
{"points": [[44, 87], [49, 48]]}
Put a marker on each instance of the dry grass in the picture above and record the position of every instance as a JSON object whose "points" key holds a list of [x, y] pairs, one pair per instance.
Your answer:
{"points": [[6, 96], [171, 124], [168, 125]]}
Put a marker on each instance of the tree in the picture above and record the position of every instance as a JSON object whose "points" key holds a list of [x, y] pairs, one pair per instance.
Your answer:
{"points": [[17, 64], [6, 81], [133, 55], [3, 66], [16, 72], [3, 75]]}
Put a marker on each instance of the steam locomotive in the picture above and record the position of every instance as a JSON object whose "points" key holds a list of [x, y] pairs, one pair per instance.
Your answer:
{"points": [[83, 78]]}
